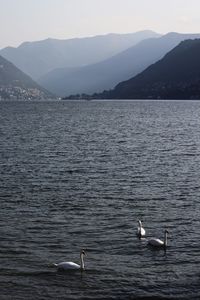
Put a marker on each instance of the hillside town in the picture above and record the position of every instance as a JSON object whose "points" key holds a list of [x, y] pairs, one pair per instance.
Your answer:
{"points": [[17, 93]]}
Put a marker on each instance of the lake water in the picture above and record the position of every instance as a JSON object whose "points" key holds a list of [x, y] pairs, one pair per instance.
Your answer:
{"points": [[79, 175]]}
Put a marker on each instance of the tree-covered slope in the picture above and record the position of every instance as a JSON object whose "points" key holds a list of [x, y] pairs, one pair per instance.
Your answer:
{"points": [[176, 76]]}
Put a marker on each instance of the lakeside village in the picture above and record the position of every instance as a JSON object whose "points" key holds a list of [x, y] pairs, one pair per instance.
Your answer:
{"points": [[17, 93]]}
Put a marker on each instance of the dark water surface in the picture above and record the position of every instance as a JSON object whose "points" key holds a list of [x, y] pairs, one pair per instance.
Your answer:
{"points": [[79, 175]]}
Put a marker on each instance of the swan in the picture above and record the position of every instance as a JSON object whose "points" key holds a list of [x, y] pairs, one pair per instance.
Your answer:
{"points": [[68, 265], [141, 231], [159, 243]]}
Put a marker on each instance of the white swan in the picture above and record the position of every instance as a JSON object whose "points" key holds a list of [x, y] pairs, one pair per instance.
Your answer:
{"points": [[141, 231], [68, 265], [158, 243]]}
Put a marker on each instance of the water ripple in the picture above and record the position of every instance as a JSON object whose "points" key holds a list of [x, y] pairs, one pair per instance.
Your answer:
{"points": [[79, 175]]}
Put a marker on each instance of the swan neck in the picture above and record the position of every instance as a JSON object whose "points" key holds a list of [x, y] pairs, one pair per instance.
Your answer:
{"points": [[82, 262], [165, 240]]}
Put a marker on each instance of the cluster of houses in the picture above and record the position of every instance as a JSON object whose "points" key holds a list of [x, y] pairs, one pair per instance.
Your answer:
{"points": [[17, 93]]}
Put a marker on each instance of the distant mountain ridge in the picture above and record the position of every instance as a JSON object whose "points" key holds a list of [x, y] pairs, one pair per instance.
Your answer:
{"points": [[41, 57], [14, 84], [176, 76], [107, 74]]}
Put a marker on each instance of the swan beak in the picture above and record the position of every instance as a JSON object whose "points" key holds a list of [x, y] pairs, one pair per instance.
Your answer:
{"points": [[83, 252]]}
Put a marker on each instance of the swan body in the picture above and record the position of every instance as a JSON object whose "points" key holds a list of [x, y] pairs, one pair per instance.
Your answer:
{"points": [[141, 231], [68, 265], [155, 242], [159, 243]]}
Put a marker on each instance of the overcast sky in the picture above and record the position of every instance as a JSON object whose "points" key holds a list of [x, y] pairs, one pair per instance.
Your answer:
{"points": [[30, 20]]}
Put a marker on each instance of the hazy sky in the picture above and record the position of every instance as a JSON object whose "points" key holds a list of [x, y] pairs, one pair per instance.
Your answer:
{"points": [[29, 20]]}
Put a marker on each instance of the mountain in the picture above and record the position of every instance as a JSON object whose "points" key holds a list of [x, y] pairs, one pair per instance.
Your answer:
{"points": [[105, 75], [14, 84], [38, 58], [176, 76]]}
